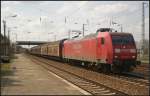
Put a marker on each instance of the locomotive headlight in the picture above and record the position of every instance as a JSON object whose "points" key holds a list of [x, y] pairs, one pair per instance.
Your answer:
{"points": [[133, 50], [133, 56], [117, 50], [116, 56]]}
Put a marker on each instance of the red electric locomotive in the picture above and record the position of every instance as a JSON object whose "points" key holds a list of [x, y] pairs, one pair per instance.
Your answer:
{"points": [[104, 50]]}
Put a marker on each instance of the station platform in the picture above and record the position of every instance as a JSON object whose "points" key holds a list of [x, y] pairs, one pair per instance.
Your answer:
{"points": [[28, 78]]}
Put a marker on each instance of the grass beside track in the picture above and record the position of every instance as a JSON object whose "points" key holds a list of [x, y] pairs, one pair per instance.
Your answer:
{"points": [[144, 59], [6, 67]]}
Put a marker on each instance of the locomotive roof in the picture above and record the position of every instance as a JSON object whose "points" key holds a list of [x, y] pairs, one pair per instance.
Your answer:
{"points": [[85, 37], [95, 34], [120, 33], [112, 33]]}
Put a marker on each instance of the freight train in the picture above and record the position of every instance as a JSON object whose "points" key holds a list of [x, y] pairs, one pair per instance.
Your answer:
{"points": [[104, 50]]}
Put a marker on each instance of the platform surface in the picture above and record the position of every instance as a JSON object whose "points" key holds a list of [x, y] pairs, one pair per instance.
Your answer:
{"points": [[28, 78]]}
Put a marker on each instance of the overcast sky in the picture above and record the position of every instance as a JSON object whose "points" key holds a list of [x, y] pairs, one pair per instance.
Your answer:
{"points": [[96, 14]]}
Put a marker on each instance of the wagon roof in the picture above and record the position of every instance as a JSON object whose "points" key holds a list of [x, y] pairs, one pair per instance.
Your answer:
{"points": [[49, 43]]}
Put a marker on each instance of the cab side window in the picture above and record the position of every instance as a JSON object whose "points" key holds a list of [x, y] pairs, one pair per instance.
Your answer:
{"points": [[102, 40]]}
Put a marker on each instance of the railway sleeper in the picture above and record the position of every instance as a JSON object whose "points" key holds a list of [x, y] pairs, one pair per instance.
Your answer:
{"points": [[82, 82], [101, 92], [85, 84], [109, 94], [105, 91], [100, 89], [95, 88], [93, 85]]}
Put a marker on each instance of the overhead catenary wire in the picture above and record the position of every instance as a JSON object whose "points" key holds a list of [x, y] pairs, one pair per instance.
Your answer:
{"points": [[78, 9], [129, 13]]}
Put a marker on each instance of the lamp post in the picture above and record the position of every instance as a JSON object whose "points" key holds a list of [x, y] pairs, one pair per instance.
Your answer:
{"points": [[29, 40], [143, 28], [83, 29], [0, 44], [15, 42], [9, 50], [4, 23], [5, 37], [15, 38]]}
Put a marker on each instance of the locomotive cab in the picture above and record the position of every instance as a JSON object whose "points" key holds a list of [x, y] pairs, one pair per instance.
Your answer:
{"points": [[124, 52]]}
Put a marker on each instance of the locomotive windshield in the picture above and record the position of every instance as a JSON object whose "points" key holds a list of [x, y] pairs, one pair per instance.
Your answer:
{"points": [[128, 39]]}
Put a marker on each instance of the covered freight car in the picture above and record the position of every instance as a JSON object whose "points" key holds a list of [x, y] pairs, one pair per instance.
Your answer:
{"points": [[36, 50], [51, 50]]}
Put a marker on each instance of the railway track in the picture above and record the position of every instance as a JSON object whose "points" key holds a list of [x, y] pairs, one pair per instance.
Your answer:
{"points": [[136, 77], [132, 77], [143, 69], [93, 82]]}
